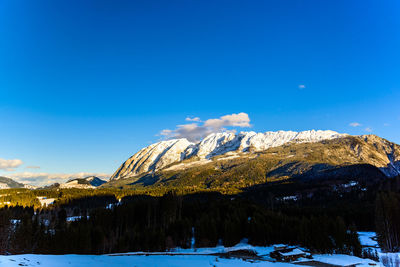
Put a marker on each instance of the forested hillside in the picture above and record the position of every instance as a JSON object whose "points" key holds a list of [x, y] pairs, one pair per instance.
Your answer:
{"points": [[113, 220]]}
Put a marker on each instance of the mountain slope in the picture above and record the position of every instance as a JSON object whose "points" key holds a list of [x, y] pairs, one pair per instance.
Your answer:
{"points": [[6, 183], [347, 157], [159, 155], [87, 182]]}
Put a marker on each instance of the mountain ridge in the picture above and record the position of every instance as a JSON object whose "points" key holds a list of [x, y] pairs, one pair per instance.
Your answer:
{"points": [[164, 153], [339, 158], [87, 182], [7, 183]]}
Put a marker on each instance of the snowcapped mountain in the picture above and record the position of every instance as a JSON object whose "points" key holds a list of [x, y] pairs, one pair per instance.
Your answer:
{"points": [[162, 154], [94, 181], [87, 182], [6, 183]]}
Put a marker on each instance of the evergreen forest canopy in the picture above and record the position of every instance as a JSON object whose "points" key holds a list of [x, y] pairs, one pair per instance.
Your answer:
{"points": [[316, 214]]}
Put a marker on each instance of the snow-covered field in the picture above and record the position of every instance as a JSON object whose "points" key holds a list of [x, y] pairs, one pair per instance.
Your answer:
{"points": [[199, 257], [368, 241], [178, 257], [132, 260], [46, 201], [158, 260]]}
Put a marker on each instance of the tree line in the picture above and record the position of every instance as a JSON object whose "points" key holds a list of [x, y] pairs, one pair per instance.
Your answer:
{"points": [[146, 223], [387, 210]]}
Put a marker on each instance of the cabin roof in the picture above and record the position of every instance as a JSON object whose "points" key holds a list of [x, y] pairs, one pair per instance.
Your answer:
{"points": [[294, 252]]}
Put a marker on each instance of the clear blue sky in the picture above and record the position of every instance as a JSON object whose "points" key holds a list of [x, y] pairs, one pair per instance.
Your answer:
{"points": [[85, 84]]}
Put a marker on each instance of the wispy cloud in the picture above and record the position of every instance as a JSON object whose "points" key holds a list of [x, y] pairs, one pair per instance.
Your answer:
{"points": [[302, 86], [32, 167], [386, 124], [196, 131], [166, 132], [368, 129], [10, 164], [193, 119], [41, 179], [355, 124]]}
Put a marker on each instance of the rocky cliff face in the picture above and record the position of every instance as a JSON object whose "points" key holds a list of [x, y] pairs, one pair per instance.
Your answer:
{"points": [[380, 153], [162, 154]]}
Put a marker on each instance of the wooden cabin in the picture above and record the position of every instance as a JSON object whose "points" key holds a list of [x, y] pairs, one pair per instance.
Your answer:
{"points": [[288, 254]]}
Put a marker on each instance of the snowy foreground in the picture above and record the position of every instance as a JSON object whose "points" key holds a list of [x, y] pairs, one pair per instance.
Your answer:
{"points": [[159, 260], [179, 257], [215, 256], [104, 260]]}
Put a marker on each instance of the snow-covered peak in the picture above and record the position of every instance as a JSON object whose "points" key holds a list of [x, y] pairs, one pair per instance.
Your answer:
{"points": [[217, 144], [263, 141], [159, 155], [154, 157], [87, 182]]}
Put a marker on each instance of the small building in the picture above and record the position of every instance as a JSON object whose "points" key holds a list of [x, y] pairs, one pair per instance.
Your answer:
{"points": [[280, 247], [288, 254]]}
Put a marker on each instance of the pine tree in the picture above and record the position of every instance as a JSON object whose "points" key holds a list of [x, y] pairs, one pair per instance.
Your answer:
{"points": [[388, 221]]}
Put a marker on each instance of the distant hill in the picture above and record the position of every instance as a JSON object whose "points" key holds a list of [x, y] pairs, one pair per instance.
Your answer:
{"points": [[6, 183], [87, 182]]}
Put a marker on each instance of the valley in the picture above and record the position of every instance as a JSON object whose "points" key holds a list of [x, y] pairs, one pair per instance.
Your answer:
{"points": [[311, 193]]}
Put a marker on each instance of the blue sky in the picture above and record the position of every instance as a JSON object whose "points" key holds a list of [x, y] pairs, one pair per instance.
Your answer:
{"points": [[85, 84]]}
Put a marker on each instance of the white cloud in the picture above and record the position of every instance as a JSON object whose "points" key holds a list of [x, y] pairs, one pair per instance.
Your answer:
{"points": [[195, 131], [239, 120], [166, 132], [41, 179], [386, 124], [355, 124], [10, 164], [302, 86], [192, 119], [32, 167], [368, 129]]}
